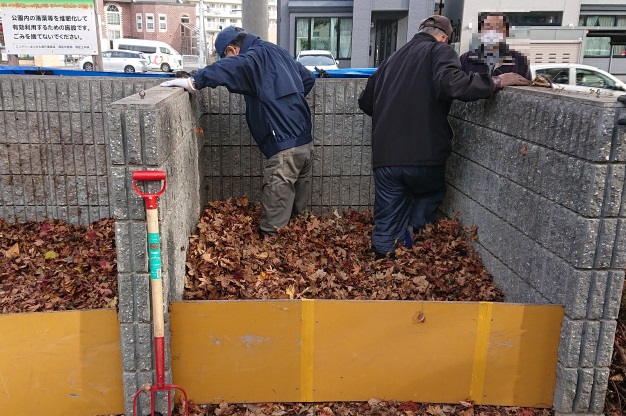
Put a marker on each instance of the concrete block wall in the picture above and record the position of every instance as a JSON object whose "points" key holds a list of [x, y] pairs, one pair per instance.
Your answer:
{"points": [[157, 132], [542, 176], [540, 173], [232, 165], [54, 159]]}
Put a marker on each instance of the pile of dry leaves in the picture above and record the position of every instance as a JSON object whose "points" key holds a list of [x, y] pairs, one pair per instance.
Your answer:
{"points": [[328, 258], [53, 266], [373, 407]]}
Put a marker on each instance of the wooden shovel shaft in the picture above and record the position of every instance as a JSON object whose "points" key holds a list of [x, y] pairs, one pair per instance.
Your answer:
{"points": [[156, 287]]}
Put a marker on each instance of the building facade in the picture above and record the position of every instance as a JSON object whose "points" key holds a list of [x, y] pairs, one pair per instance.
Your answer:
{"points": [[169, 21], [359, 33], [598, 25], [219, 14], [362, 33]]}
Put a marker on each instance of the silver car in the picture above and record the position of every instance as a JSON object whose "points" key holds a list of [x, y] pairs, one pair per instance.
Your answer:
{"points": [[118, 61]]}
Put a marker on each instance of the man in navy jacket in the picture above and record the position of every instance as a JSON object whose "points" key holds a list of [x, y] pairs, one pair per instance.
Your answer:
{"points": [[274, 86]]}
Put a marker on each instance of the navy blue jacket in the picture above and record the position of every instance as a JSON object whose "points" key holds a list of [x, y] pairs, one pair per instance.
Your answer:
{"points": [[274, 86]]}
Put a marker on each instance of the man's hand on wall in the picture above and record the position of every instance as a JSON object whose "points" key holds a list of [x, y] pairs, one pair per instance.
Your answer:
{"points": [[511, 79], [186, 83]]}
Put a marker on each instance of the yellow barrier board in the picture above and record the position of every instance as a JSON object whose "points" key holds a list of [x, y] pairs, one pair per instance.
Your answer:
{"points": [[61, 363], [325, 350]]}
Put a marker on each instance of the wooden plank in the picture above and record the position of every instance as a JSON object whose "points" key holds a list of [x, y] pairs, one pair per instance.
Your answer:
{"points": [[324, 350], [61, 363]]}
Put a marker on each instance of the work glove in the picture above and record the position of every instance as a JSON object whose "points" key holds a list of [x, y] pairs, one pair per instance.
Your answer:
{"points": [[511, 79], [186, 83]]}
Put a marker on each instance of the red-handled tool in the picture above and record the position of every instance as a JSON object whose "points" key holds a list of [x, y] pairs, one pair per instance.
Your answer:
{"points": [[156, 287]]}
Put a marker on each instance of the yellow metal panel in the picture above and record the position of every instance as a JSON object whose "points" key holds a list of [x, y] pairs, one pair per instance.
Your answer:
{"points": [[324, 350], [366, 349], [483, 330], [522, 355], [60, 363], [239, 351]]}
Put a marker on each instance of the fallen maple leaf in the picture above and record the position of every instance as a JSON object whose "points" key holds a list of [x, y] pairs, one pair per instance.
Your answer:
{"points": [[13, 251]]}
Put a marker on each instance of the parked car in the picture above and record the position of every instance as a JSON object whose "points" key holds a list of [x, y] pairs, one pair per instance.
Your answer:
{"points": [[317, 59], [119, 61], [161, 56], [577, 77]]}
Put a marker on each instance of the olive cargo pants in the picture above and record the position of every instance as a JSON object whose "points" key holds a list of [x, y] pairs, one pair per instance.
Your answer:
{"points": [[286, 187]]}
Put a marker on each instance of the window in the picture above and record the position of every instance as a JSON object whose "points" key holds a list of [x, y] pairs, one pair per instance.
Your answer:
{"points": [[162, 23], [165, 51], [593, 79], [332, 34], [149, 22], [113, 34], [139, 22], [113, 15], [535, 18], [556, 75]]}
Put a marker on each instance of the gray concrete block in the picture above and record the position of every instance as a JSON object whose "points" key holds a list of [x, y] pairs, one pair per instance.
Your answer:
{"points": [[141, 297], [144, 347], [132, 125], [606, 339], [607, 235], [577, 295], [583, 391], [126, 303], [590, 343], [597, 292], [613, 294], [115, 135], [119, 190], [565, 389], [127, 333], [598, 394], [570, 348]]}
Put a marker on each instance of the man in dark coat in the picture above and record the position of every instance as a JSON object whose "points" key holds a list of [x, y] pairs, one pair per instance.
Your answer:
{"points": [[492, 55], [274, 86], [409, 97]]}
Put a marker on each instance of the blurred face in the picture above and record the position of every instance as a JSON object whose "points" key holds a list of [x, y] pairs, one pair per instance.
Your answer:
{"points": [[495, 23], [493, 32]]}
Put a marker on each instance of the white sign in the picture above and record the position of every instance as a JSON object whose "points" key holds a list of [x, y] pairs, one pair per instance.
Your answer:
{"points": [[55, 30]]}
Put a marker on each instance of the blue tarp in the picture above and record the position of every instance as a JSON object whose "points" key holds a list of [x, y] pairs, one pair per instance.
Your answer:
{"points": [[40, 70], [347, 73], [36, 70]]}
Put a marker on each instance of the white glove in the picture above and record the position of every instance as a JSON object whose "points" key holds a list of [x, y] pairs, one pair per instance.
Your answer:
{"points": [[186, 83]]}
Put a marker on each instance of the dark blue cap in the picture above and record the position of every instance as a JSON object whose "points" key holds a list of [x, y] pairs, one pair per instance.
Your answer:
{"points": [[225, 37]]}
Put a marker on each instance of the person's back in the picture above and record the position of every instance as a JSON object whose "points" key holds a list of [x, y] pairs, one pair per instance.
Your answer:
{"points": [[274, 86], [410, 99]]}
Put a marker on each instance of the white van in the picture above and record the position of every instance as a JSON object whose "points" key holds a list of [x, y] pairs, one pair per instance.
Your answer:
{"points": [[161, 56]]}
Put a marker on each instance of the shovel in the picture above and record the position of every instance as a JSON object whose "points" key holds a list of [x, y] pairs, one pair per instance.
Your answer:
{"points": [[156, 287]]}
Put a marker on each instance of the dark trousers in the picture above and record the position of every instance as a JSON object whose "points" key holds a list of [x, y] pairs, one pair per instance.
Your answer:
{"points": [[407, 198]]}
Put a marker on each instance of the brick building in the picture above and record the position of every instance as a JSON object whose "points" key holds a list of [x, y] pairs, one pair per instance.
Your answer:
{"points": [[169, 21]]}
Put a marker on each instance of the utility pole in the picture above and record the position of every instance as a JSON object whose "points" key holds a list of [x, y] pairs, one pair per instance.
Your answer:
{"points": [[202, 61], [254, 17]]}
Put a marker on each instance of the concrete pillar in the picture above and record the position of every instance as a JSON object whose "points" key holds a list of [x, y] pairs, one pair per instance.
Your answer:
{"points": [[254, 17]]}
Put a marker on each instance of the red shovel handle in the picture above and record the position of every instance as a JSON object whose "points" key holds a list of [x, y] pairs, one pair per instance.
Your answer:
{"points": [[149, 175]]}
